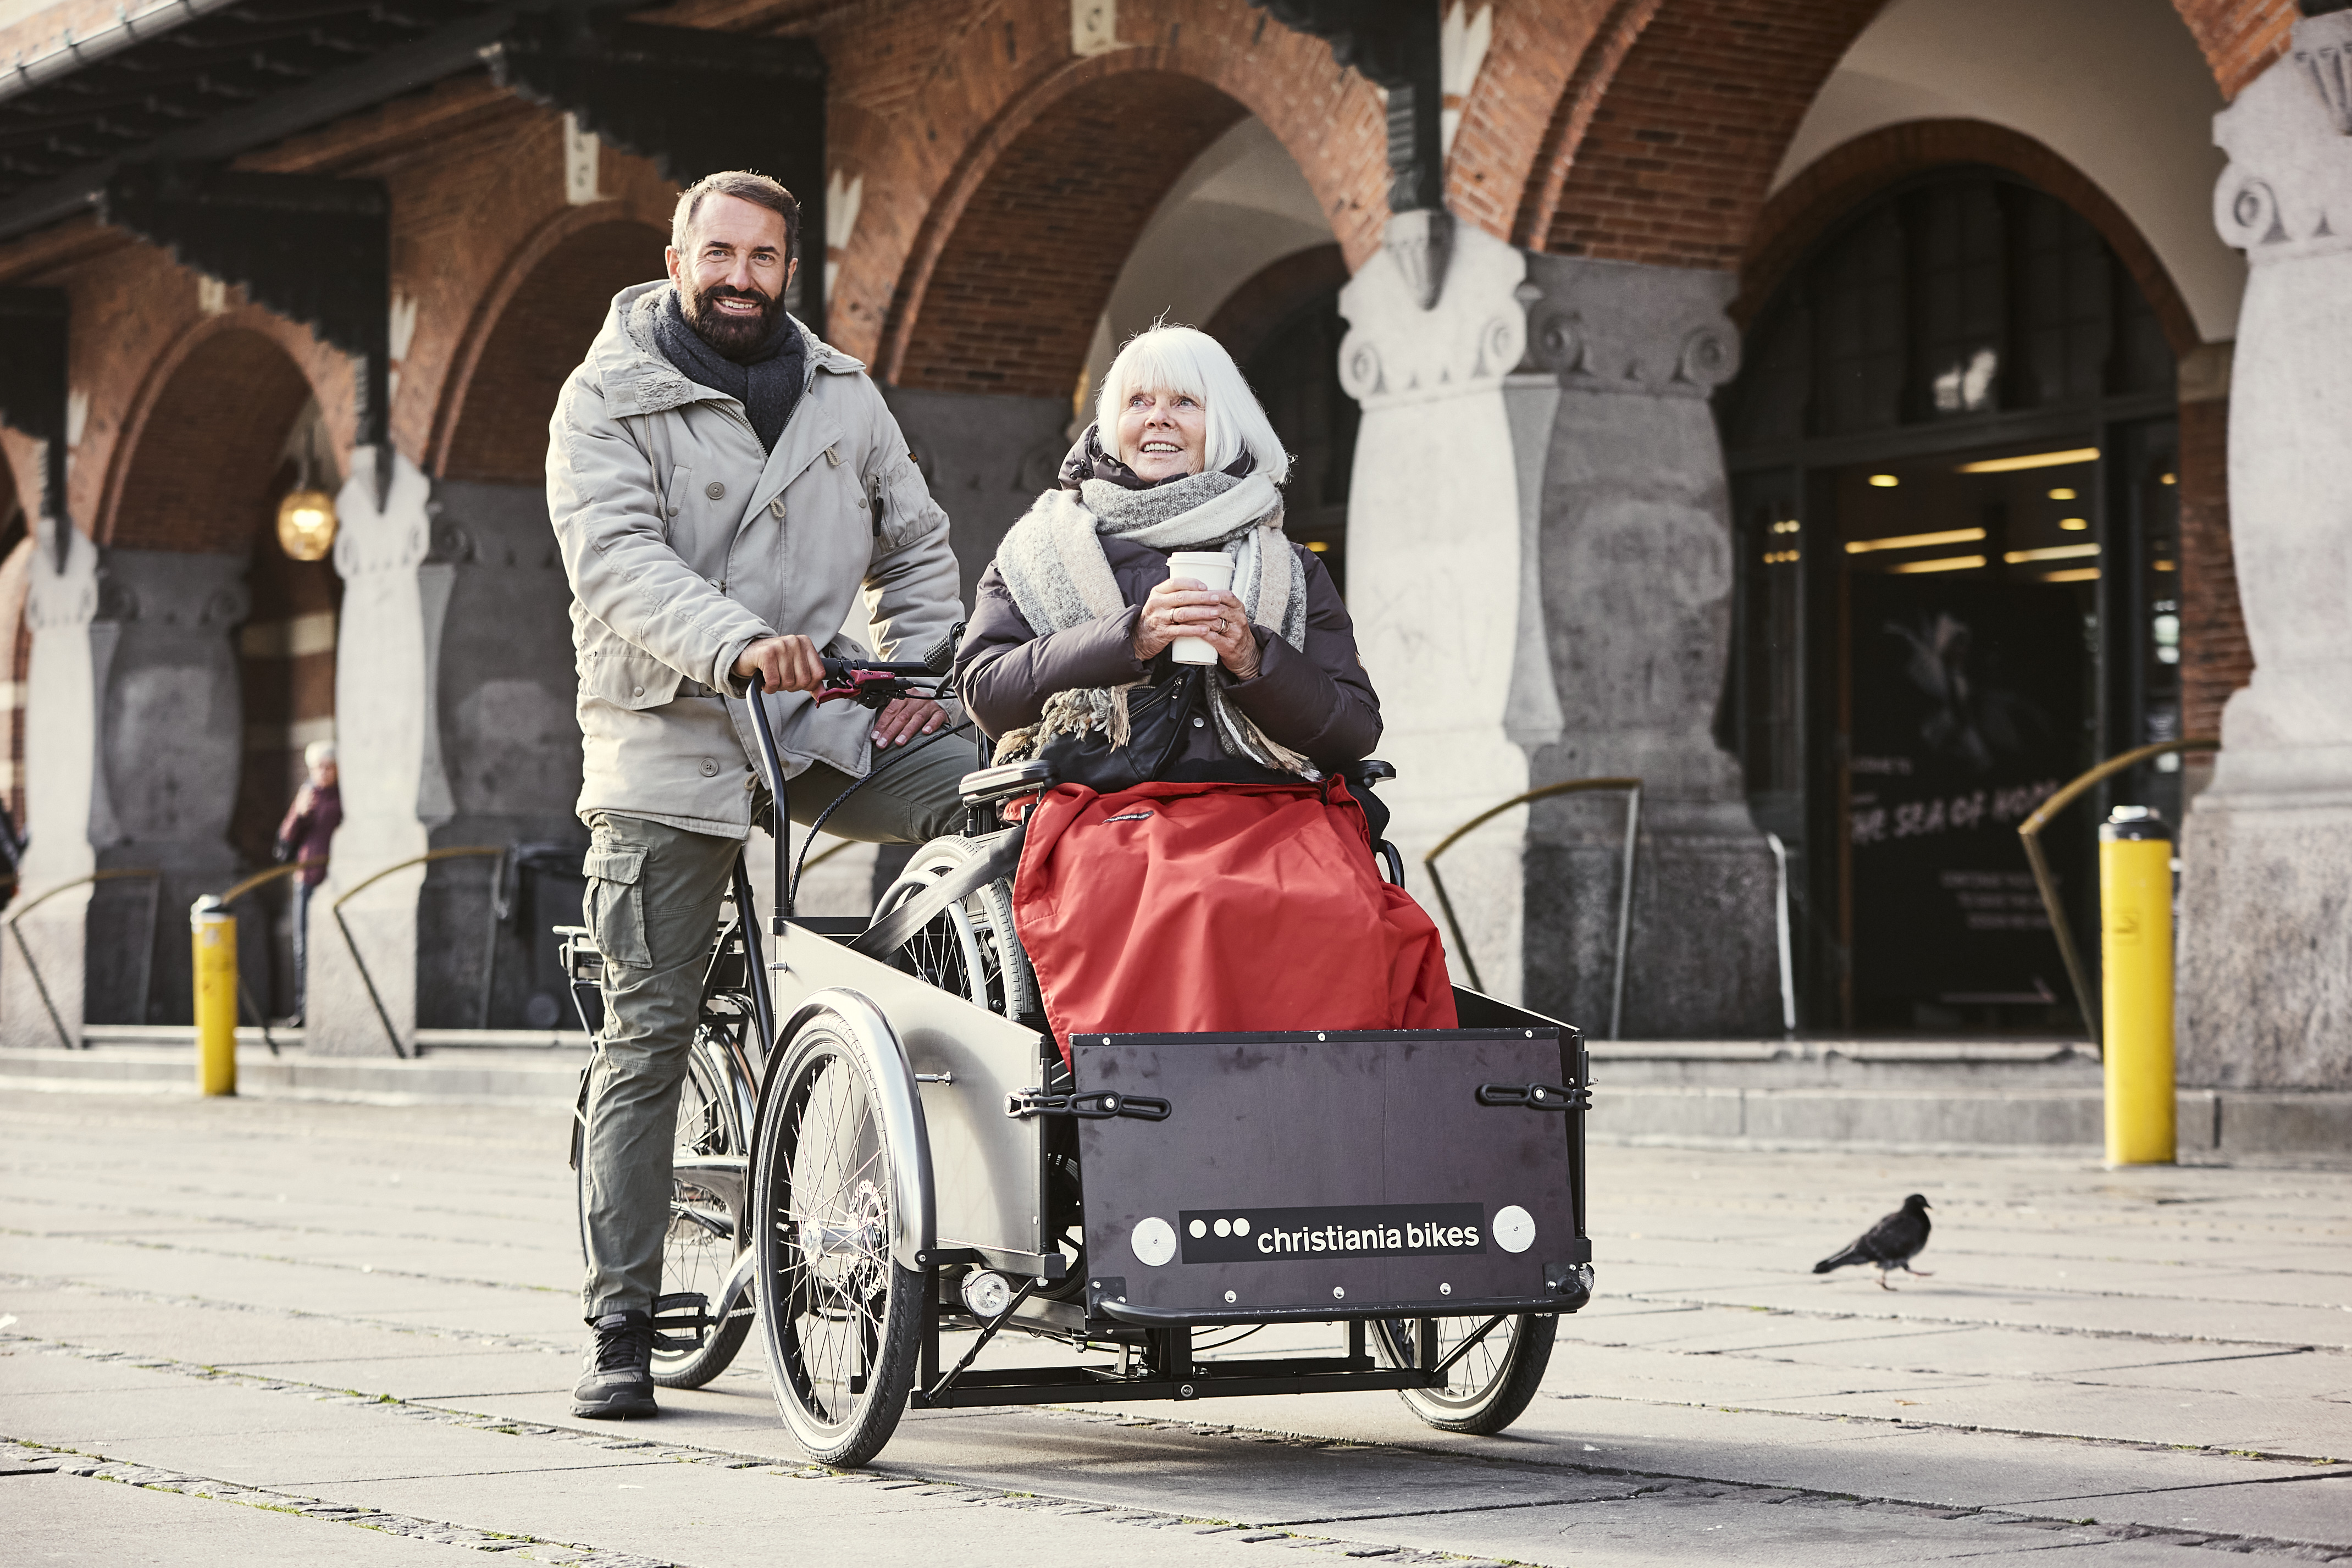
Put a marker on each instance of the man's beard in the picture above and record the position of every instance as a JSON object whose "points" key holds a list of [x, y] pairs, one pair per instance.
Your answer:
{"points": [[731, 336]]}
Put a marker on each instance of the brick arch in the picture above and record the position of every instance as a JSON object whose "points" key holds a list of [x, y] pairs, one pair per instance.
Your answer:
{"points": [[919, 115], [1805, 208], [1664, 140], [198, 461], [1027, 248], [1681, 137], [530, 330]]}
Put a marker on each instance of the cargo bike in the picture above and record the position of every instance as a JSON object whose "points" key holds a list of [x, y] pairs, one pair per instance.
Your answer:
{"points": [[880, 1143]]}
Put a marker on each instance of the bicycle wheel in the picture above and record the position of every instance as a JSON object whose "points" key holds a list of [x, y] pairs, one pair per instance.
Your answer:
{"points": [[843, 1321], [1490, 1386], [970, 947], [698, 1246]]}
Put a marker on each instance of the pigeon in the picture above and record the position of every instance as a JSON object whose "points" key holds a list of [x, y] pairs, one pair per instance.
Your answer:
{"points": [[1891, 1243]]}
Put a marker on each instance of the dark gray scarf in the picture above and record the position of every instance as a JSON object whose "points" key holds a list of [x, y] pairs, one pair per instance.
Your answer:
{"points": [[767, 381]]}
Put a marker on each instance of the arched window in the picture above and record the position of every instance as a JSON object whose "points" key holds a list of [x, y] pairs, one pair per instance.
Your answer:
{"points": [[1952, 455]]}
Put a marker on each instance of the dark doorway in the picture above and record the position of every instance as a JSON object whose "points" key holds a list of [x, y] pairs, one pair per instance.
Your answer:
{"points": [[1952, 450], [1283, 329]]}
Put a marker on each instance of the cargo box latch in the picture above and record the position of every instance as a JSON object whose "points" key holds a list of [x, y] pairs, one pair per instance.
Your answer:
{"points": [[1537, 1096], [1099, 1105]]}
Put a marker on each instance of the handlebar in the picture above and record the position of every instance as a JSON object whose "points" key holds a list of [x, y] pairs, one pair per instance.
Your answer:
{"points": [[873, 683]]}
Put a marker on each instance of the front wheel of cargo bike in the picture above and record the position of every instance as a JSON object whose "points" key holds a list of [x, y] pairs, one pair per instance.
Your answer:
{"points": [[843, 1321]]}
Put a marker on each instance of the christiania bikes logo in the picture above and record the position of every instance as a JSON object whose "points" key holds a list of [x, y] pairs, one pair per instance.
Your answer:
{"points": [[1371, 1231]]}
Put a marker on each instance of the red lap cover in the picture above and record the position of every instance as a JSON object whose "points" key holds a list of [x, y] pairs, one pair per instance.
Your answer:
{"points": [[1183, 909]]}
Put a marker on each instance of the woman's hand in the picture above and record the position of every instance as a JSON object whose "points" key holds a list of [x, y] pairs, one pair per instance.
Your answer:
{"points": [[1180, 607]]}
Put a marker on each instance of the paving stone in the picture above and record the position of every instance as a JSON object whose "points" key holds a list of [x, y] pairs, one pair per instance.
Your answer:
{"points": [[2065, 1300]]}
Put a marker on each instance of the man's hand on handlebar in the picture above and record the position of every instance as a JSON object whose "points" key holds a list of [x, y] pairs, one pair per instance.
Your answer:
{"points": [[907, 718], [783, 664]]}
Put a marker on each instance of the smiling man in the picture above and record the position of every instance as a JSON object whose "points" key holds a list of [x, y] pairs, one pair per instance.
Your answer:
{"points": [[724, 485]]}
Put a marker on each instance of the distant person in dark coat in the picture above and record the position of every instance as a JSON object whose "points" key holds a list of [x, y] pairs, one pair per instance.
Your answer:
{"points": [[304, 837]]}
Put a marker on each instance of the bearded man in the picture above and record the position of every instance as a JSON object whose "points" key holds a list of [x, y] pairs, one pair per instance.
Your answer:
{"points": [[722, 485]]}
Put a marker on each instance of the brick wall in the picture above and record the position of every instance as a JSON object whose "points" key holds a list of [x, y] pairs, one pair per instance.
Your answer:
{"points": [[204, 454], [1010, 304], [553, 314], [929, 96], [2215, 657], [2240, 37], [1683, 140], [1507, 115]]}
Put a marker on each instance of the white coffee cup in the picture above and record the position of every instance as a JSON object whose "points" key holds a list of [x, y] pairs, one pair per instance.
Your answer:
{"points": [[1212, 569]]}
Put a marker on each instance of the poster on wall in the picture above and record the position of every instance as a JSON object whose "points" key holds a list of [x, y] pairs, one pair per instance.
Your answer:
{"points": [[1968, 699]]}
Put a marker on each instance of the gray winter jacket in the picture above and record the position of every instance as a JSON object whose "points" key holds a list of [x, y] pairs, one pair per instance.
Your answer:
{"points": [[685, 540]]}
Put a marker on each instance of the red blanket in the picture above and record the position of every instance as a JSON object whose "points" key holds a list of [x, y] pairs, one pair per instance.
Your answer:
{"points": [[1184, 908]]}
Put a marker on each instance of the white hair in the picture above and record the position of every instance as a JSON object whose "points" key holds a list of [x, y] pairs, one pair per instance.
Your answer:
{"points": [[317, 752], [1186, 359]]}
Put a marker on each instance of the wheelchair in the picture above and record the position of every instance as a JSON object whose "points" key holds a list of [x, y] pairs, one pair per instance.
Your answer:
{"points": [[882, 1144]]}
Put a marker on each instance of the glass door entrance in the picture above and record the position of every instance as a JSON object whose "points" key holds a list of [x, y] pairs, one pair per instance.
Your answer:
{"points": [[1952, 447]]}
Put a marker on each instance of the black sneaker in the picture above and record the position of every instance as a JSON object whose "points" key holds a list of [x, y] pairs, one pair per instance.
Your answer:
{"points": [[616, 1381]]}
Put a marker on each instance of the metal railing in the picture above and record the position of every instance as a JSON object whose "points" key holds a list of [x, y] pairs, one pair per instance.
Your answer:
{"points": [[254, 883], [2030, 831], [1633, 788], [352, 946], [146, 951]]}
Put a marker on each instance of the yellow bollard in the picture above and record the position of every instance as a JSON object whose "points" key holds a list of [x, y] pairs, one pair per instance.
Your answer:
{"points": [[2135, 950], [212, 931]]}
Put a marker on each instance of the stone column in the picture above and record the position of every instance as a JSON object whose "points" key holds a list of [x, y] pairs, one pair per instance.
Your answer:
{"points": [[383, 717], [1442, 583], [455, 728], [1636, 583], [502, 762], [61, 725], [2266, 900], [171, 743], [134, 737]]}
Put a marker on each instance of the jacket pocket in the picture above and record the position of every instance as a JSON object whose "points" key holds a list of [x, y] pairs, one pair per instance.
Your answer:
{"points": [[615, 908], [625, 676]]}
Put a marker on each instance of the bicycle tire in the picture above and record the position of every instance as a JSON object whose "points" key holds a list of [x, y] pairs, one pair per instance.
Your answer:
{"points": [[970, 947], [843, 1321], [1487, 1389]]}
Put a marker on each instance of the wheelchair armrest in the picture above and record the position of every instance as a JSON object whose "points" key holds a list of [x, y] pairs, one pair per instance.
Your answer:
{"points": [[1003, 782]]}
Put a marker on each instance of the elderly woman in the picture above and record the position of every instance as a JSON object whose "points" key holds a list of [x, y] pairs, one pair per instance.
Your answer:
{"points": [[1079, 605], [1238, 890]]}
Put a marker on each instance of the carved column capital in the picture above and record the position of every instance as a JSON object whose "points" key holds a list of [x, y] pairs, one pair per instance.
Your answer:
{"points": [[1397, 350], [395, 536], [2287, 192], [1615, 327], [64, 593]]}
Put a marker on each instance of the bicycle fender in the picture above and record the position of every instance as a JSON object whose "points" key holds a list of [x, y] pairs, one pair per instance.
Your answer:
{"points": [[898, 1101]]}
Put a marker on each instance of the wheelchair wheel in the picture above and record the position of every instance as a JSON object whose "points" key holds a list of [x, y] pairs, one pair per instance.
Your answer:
{"points": [[843, 1321], [699, 1244], [968, 949], [1490, 1386]]}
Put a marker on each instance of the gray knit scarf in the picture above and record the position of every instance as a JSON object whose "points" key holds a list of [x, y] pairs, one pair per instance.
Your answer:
{"points": [[1052, 564]]}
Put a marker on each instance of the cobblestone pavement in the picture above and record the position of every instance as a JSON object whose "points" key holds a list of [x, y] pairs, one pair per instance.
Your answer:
{"points": [[296, 1333]]}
